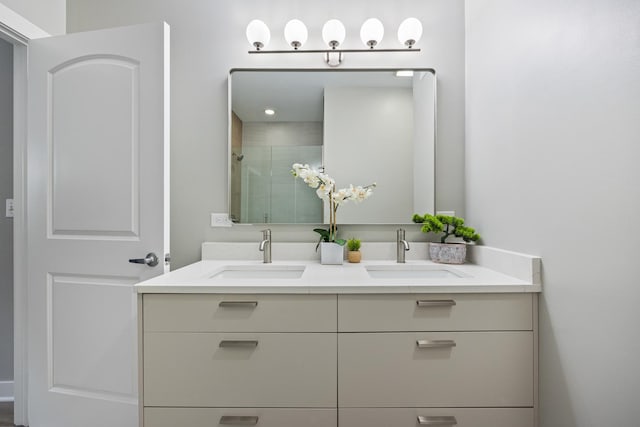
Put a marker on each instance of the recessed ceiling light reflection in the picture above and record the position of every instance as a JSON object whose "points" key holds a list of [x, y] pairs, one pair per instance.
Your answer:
{"points": [[269, 111]]}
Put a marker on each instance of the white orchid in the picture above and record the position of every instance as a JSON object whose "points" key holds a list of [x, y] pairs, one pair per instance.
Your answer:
{"points": [[359, 193], [326, 190]]}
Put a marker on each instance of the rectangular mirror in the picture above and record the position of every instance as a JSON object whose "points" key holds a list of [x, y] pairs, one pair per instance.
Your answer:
{"points": [[361, 126]]}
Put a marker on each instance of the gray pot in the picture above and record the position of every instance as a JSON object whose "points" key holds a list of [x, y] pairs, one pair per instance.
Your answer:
{"points": [[448, 253]]}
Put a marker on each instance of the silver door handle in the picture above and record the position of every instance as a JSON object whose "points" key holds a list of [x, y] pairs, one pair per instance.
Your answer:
{"points": [[151, 260], [436, 303], [435, 343], [238, 420], [437, 421], [238, 343], [238, 304]]}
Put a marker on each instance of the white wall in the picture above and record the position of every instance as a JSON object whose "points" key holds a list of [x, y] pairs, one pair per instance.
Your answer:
{"points": [[371, 139], [6, 224], [208, 39], [552, 147], [50, 15], [424, 143]]}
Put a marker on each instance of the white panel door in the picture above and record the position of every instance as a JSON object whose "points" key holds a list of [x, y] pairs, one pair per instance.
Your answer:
{"points": [[97, 196]]}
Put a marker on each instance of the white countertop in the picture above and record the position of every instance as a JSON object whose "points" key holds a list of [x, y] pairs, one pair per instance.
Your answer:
{"points": [[337, 279]]}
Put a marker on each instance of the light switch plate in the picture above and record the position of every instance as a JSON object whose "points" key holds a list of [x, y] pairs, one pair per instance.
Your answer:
{"points": [[220, 220], [9, 208]]}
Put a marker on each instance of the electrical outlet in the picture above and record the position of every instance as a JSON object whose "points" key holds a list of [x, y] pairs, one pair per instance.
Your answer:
{"points": [[447, 213], [9, 208], [220, 220]]}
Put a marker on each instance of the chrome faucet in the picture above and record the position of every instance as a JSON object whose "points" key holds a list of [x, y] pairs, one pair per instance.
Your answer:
{"points": [[402, 246], [265, 246]]}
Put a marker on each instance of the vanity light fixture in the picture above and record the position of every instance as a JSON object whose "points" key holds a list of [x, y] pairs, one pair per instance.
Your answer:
{"points": [[333, 34]]}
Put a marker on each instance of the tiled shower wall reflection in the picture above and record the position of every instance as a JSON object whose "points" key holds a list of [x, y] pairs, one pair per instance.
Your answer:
{"points": [[270, 194]]}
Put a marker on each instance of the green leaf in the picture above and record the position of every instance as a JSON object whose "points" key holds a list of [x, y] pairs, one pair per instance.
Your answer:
{"points": [[418, 219], [324, 234]]}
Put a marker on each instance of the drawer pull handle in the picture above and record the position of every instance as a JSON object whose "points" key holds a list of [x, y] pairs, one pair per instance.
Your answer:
{"points": [[238, 420], [238, 343], [238, 304], [436, 303], [435, 344], [437, 421]]}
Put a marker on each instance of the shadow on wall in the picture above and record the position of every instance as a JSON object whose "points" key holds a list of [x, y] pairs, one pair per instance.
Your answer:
{"points": [[554, 398]]}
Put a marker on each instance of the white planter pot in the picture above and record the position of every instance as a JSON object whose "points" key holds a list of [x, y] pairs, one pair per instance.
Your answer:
{"points": [[331, 253], [448, 253]]}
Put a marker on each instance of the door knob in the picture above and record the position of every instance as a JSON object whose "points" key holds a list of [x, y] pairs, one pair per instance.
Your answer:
{"points": [[151, 260]]}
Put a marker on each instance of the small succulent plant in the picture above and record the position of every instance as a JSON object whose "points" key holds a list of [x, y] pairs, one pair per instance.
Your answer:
{"points": [[353, 244], [449, 225]]}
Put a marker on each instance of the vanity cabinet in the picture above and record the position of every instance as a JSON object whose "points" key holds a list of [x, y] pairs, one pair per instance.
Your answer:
{"points": [[348, 360], [436, 359], [266, 360]]}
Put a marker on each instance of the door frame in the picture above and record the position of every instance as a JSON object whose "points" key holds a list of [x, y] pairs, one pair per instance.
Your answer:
{"points": [[18, 31]]}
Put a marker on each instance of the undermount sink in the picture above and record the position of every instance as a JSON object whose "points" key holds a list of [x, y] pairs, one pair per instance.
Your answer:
{"points": [[413, 272], [259, 272]]}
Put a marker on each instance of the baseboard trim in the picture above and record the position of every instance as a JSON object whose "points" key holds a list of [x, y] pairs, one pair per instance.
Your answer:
{"points": [[6, 391]]}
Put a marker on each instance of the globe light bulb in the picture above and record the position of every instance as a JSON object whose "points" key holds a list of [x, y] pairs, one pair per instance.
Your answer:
{"points": [[333, 33], [258, 34], [409, 32], [371, 32], [295, 33]]}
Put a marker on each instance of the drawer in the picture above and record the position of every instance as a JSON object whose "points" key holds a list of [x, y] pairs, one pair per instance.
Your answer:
{"points": [[435, 312], [239, 313], [240, 369], [213, 417], [463, 417], [392, 370]]}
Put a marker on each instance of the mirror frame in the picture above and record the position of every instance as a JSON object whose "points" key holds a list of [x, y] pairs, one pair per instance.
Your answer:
{"points": [[334, 70]]}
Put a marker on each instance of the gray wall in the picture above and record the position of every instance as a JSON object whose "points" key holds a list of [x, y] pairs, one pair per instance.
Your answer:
{"points": [[208, 39], [552, 147], [6, 224], [46, 14]]}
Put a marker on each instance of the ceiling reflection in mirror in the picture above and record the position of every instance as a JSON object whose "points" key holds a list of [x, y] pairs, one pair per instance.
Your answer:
{"points": [[361, 126]]}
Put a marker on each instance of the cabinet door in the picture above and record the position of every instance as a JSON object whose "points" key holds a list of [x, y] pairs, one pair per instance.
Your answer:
{"points": [[240, 369], [224, 417], [435, 369], [443, 417], [435, 312]]}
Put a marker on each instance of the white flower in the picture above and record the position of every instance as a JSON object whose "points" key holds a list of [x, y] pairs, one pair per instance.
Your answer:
{"points": [[341, 195], [327, 180], [359, 193], [326, 190], [307, 174], [326, 186], [323, 191], [312, 180]]}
